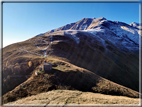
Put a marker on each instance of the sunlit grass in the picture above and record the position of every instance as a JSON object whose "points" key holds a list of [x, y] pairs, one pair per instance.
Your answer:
{"points": [[40, 71], [59, 67]]}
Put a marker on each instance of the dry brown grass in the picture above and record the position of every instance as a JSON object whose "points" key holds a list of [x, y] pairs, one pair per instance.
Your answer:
{"points": [[112, 72], [68, 77], [74, 97]]}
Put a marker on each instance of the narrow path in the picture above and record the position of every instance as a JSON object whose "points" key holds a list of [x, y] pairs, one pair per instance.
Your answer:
{"points": [[30, 52], [44, 55], [44, 50]]}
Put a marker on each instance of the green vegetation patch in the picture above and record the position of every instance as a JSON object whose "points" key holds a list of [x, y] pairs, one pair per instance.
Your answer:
{"points": [[40, 72]]}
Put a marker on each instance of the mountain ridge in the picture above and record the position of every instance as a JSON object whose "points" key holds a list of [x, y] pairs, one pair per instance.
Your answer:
{"points": [[105, 48], [94, 19], [103, 24]]}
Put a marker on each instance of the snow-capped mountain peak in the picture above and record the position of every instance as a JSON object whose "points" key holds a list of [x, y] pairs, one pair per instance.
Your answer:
{"points": [[122, 35]]}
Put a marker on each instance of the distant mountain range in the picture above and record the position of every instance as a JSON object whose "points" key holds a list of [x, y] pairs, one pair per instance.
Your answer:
{"points": [[93, 54]]}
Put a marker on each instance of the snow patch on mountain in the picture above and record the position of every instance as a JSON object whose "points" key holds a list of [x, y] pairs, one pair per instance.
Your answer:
{"points": [[134, 24], [94, 31], [125, 32], [102, 35], [120, 34], [84, 27], [72, 34]]}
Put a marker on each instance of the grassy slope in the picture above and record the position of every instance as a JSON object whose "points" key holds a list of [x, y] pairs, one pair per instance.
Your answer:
{"points": [[15, 62], [74, 97], [66, 76], [112, 65]]}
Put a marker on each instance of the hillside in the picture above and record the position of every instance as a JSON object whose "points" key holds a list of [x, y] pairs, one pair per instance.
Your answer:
{"points": [[66, 76], [95, 55], [62, 97]]}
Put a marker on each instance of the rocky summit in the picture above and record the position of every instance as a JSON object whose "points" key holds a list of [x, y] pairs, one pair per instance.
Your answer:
{"points": [[93, 55]]}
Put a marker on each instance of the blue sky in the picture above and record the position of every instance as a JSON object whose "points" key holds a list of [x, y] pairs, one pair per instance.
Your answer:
{"points": [[22, 21]]}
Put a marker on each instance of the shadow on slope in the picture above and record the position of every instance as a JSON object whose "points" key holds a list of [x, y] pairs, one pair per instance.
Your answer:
{"points": [[110, 62], [75, 79]]}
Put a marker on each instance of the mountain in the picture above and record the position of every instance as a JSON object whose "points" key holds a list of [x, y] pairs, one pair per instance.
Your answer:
{"points": [[136, 25], [93, 54], [114, 31], [107, 48]]}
